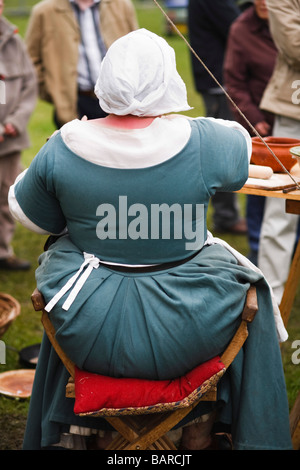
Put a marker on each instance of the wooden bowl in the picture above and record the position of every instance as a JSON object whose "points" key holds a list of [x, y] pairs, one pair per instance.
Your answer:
{"points": [[9, 310], [280, 146]]}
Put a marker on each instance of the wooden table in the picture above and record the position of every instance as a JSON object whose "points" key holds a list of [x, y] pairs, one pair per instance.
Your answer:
{"points": [[293, 207]]}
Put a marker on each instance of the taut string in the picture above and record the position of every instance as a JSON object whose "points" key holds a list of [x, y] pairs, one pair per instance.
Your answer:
{"points": [[225, 92]]}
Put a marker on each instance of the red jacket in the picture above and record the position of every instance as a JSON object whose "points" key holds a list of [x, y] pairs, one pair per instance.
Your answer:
{"points": [[249, 63]]}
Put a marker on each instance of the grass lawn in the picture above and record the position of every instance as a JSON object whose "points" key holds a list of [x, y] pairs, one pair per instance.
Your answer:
{"points": [[27, 329]]}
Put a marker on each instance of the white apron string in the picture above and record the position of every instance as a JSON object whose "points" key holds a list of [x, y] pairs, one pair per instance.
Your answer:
{"points": [[243, 261], [91, 262]]}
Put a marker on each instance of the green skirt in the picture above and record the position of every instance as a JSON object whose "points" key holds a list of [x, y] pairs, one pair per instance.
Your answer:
{"points": [[159, 325]]}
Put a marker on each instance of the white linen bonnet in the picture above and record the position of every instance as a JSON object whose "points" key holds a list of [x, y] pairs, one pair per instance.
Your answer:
{"points": [[138, 76]]}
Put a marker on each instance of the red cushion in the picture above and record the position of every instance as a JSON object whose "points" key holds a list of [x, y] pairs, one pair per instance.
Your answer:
{"points": [[95, 392]]}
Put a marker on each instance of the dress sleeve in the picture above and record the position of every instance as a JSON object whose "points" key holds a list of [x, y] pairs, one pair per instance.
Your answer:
{"points": [[225, 152], [32, 198]]}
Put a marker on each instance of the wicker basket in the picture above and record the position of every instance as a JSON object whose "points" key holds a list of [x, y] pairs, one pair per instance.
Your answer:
{"points": [[9, 310]]}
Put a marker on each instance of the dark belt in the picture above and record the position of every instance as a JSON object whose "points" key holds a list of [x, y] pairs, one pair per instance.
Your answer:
{"points": [[89, 93], [149, 269], [128, 269]]}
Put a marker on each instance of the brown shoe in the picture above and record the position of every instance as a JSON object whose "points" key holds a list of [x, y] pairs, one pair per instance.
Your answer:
{"points": [[240, 228], [219, 441], [14, 264]]}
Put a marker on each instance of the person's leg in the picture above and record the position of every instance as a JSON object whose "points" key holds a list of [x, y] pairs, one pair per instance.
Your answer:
{"points": [[277, 241], [226, 211], [279, 229], [254, 214], [89, 106], [10, 167], [200, 435], [197, 436], [226, 216]]}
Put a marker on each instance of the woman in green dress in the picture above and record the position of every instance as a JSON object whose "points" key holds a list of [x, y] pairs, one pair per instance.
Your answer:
{"points": [[135, 285]]}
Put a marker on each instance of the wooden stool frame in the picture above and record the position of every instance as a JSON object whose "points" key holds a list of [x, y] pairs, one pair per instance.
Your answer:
{"points": [[141, 432]]}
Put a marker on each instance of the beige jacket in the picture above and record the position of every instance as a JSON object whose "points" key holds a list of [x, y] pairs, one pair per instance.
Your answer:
{"points": [[282, 95], [18, 87], [53, 38]]}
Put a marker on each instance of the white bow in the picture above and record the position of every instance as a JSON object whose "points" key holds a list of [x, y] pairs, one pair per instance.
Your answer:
{"points": [[90, 262]]}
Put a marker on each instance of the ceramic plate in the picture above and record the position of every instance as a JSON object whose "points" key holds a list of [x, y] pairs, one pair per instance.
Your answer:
{"points": [[295, 151], [17, 383]]}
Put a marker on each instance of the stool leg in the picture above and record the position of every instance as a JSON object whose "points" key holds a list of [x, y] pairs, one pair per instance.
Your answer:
{"points": [[295, 423], [145, 431]]}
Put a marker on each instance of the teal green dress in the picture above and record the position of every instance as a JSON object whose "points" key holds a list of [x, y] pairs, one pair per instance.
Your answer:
{"points": [[161, 323]]}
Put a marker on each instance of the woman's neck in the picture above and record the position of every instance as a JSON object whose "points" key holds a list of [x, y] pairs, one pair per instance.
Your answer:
{"points": [[127, 122]]}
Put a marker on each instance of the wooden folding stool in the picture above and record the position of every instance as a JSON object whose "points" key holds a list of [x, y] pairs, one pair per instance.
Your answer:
{"points": [[145, 427]]}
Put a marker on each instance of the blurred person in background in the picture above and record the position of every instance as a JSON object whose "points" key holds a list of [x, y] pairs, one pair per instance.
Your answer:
{"points": [[279, 229], [248, 65], [18, 99], [67, 40], [208, 24]]}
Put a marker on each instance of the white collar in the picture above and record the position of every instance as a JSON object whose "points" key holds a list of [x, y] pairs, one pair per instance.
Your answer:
{"points": [[127, 149]]}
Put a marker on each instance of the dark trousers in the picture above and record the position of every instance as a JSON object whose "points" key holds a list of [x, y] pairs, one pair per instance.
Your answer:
{"points": [[87, 105]]}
